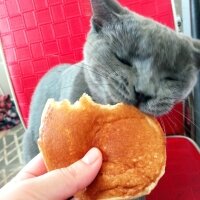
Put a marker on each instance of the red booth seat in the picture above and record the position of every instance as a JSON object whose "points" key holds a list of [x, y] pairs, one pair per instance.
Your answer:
{"points": [[38, 34]]}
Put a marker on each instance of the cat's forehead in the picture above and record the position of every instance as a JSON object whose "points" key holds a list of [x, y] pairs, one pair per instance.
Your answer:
{"points": [[125, 25], [122, 37]]}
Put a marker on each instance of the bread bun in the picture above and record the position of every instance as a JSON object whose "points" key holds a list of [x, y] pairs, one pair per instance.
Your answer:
{"points": [[132, 144]]}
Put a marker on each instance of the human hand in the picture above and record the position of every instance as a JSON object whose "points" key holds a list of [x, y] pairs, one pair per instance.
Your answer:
{"points": [[32, 182]]}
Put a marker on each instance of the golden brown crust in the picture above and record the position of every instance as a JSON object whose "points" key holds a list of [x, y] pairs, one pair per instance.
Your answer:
{"points": [[132, 144]]}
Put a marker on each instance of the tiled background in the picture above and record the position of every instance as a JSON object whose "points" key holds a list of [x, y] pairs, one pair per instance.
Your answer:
{"points": [[10, 153]]}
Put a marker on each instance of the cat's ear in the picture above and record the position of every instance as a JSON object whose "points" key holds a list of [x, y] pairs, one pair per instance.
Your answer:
{"points": [[104, 11], [196, 52]]}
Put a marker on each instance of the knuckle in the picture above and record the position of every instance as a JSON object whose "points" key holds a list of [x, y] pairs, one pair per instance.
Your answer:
{"points": [[71, 171], [71, 175]]}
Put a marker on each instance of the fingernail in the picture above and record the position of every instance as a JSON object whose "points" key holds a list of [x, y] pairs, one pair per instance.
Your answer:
{"points": [[91, 156]]}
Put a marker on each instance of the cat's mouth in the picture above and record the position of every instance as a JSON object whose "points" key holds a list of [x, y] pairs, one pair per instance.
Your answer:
{"points": [[151, 106]]}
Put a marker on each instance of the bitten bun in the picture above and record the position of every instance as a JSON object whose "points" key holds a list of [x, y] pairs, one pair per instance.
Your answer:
{"points": [[132, 144]]}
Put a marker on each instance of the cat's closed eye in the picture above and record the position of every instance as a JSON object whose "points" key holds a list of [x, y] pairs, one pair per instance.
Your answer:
{"points": [[169, 78], [123, 61]]}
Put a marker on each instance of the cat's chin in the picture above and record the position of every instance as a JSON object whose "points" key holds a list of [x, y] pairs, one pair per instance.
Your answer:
{"points": [[155, 110]]}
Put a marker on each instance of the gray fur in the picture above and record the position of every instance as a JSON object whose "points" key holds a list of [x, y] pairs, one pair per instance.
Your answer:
{"points": [[127, 58]]}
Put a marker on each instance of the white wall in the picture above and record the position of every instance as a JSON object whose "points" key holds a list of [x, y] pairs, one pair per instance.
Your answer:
{"points": [[3, 78], [178, 4]]}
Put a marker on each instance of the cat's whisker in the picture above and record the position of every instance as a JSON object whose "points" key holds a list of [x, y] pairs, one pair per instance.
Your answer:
{"points": [[181, 123], [71, 86], [91, 68], [102, 72], [195, 125], [103, 75], [94, 83], [103, 69], [163, 125], [169, 121]]}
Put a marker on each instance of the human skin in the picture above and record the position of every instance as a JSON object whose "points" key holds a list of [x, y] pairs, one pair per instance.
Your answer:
{"points": [[34, 183]]}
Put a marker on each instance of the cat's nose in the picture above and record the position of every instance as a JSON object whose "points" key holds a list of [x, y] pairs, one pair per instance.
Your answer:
{"points": [[141, 97]]}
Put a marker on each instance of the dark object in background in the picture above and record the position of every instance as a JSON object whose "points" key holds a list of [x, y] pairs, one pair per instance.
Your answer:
{"points": [[8, 114], [195, 28]]}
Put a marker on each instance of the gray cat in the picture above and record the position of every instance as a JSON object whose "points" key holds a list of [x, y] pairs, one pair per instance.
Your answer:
{"points": [[127, 58]]}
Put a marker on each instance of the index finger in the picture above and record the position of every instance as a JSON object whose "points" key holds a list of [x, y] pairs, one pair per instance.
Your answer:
{"points": [[34, 168]]}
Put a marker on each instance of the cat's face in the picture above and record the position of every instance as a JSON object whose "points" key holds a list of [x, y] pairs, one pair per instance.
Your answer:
{"points": [[134, 60]]}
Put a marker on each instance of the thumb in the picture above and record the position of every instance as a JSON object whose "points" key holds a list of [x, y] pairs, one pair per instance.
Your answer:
{"points": [[64, 183]]}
